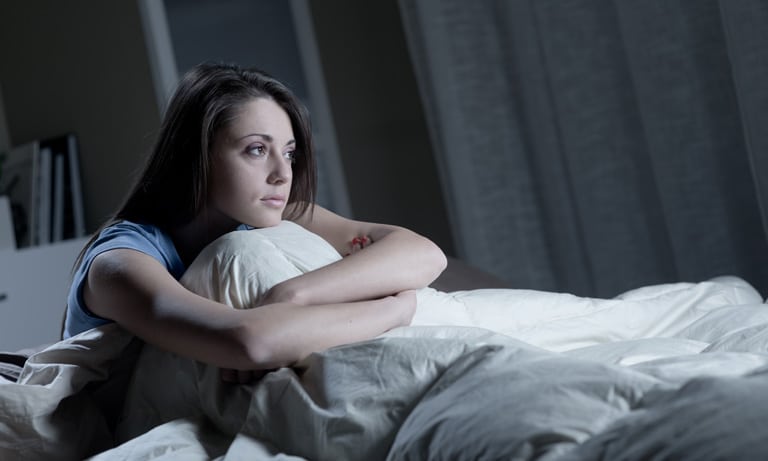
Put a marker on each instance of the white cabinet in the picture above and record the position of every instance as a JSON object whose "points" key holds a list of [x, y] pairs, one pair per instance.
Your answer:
{"points": [[34, 283]]}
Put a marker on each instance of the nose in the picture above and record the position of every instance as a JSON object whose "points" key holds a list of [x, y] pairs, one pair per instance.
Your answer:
{"points": [[281, 170]]}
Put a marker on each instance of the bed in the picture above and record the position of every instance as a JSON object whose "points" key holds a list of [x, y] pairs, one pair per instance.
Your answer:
{"points": [[674, 371]]}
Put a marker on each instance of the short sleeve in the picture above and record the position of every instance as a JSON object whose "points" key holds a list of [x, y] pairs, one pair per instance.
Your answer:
{"points": [[145, 238]]}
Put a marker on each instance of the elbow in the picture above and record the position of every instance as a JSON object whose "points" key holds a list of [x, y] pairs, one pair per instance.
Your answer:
{"points": [[258, 353], [250, 350], [436, 260], [441, 261], [259, 350]]}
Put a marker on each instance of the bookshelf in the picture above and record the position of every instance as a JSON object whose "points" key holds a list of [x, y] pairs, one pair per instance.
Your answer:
{"points": [[41, 181], [82, 68]]}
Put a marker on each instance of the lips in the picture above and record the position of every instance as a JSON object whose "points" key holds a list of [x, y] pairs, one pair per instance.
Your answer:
{"points": [[274, 201]]}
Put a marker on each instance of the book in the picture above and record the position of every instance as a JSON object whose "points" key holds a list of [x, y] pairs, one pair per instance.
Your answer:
{"points": [[44, 178], [42, 200], [57, 230], [59, 191], [19, 165], [76, 194], [7, 237]]}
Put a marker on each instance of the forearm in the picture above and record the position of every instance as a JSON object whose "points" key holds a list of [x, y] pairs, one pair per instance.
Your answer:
{"points": [[267, 337], [135, 291], [396, 261], [280, 334]]}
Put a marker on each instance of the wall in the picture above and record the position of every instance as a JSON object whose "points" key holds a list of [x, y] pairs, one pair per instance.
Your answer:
{"points": [[384, 146], [222, 30], [382, 134], [80, 66], [248, 32]]}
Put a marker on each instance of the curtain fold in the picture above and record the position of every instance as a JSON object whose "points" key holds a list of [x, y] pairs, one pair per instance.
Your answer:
{"points": [[746, 30], [596, 146]]}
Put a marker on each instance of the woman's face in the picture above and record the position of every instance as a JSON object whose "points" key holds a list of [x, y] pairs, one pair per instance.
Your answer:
{"points": [[252, 165]]}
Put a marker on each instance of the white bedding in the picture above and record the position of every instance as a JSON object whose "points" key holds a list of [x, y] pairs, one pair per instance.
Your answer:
{"points": [[675, 371]]}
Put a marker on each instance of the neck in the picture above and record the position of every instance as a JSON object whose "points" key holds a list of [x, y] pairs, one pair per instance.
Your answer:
{"points": [[191, 238]]}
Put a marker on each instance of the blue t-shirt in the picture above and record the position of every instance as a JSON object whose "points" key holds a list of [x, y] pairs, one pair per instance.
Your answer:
{"points": [[145, 238]]}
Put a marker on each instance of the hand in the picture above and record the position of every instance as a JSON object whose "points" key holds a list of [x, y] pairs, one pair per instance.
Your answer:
{"points": [[358, 243]]}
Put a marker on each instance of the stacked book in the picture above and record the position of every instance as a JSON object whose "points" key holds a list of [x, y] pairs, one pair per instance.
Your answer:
{"points": [[42, 181]]}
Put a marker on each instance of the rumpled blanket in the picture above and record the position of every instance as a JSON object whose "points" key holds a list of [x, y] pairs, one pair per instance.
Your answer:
{"points": [[675, 371]]}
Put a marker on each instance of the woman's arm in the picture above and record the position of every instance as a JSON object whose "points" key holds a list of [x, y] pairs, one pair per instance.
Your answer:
{"points": [[137, 292], [394, 259]]}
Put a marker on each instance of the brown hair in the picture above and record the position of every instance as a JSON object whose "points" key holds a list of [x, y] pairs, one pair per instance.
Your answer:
{"points": [[173, 187]]}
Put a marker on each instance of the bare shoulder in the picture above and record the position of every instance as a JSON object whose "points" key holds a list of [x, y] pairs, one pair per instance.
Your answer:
{"points": [[122, 279], [121, 263]]}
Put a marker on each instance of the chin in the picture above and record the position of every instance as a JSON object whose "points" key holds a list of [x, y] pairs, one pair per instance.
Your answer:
{"points": [[265, 222]]}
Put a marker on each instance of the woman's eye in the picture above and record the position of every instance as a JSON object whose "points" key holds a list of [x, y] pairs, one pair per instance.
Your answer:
{"points": [[257, 150], [290, 155]]}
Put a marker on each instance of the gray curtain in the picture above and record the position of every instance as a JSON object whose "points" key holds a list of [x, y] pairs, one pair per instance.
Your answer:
{"points": [[594, 146]]}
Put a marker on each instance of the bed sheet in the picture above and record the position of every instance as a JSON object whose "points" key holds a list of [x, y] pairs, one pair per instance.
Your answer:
{"points": [[674, 371]]}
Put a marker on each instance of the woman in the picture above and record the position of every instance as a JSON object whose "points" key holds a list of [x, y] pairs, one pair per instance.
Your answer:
{"points": [[235, 151]]}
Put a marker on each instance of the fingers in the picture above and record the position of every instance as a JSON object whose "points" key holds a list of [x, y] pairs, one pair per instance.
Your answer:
{"points": [[358, 243]]}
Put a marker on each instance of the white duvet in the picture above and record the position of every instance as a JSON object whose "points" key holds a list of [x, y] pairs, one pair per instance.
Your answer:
{"points": [[675, 371]]}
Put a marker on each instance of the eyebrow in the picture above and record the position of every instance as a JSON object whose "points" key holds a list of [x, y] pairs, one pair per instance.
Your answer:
{"points": [[266, 137]]}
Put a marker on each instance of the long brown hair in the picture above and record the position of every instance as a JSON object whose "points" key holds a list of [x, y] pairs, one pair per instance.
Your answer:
{"points": [[173, 186]]}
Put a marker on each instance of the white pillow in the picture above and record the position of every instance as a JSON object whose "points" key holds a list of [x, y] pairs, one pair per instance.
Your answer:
{"points": [[238, 268]]}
